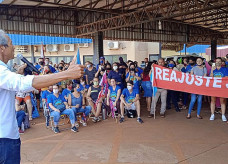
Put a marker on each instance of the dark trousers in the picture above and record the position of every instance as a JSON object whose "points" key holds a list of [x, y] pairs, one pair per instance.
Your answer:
{"points": [[10, 151], [172, 95]]}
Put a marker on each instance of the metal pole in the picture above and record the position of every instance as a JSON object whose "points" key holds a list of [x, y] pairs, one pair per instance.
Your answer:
{"points": [[32, 54]]}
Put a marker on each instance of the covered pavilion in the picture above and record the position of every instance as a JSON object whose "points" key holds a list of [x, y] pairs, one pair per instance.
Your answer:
{"points": [[173, 23]]}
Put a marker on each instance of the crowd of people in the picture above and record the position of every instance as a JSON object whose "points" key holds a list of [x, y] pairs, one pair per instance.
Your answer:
{"points": [[127, 84]]}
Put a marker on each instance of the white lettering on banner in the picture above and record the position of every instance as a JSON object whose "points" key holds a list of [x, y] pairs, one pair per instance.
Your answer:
{"points": [[173, 76], [200, 81], [216, 81], [182, 78], [158, 73], [188, 77], [208, 80], [226, 85], [165, 74]]}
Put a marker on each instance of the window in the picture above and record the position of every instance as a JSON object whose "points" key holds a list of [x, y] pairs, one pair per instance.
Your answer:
{"points": [[110, 58], [153, 57]]}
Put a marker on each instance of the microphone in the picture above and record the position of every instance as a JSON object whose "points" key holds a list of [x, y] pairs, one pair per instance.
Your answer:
{"points": [[30, 68]]}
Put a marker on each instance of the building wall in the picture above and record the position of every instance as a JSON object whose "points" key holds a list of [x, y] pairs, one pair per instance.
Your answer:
{"points": [[135, 51]]}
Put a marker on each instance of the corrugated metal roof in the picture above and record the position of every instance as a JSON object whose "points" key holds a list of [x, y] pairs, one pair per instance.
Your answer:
{"points": [[18, 39]]}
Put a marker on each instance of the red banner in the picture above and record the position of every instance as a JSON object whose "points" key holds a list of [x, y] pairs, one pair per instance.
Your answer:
{"points": [[179, 81]]}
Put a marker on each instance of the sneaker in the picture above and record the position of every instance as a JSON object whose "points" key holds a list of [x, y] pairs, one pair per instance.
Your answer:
{"points": [[212, 118], [84, 124], [151, 115], [224, 118], [162, 115], [98, 119], [178, 109], [56, 130], [94, 119], [21, 131], [139, 120], [184, 107], [74, 129], [30, 118], [121, 119], [77, 124]]}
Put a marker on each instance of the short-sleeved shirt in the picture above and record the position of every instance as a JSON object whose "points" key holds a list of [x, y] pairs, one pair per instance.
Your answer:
{"points": [[188, 68], [222, 72], [226, 64], [115, 75], [95, 92], [66, 92], [140, 71], [38, 67], [130, 97], [22, 94], [199, 71], [134, 79], [113, 93], [45, 94], [57, 102], [90, 74], [76, 100], [52, 69], [84, 87], [146, 77]]}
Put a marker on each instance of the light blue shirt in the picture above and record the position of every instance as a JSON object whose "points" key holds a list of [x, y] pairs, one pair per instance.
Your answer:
{"points": [[10, 83]]}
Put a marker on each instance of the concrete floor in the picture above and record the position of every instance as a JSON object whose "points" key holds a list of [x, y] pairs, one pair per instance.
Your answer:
{"points": [[172, 139]]}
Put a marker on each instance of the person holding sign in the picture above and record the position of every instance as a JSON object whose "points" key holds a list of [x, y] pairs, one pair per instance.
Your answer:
{"points": [[218, 71], [199, 70]]}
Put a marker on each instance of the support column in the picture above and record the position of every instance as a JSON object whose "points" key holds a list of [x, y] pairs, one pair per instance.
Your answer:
{"points": [[160, 50], [98, 47], [213, 49], [32, 54]]}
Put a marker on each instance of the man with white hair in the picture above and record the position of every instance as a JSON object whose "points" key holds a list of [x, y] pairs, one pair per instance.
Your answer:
{"points": [[10, 83]]}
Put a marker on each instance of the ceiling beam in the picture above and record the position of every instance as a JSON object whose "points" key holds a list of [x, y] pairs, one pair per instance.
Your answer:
{"points": [[40, 2], [168, 9]]}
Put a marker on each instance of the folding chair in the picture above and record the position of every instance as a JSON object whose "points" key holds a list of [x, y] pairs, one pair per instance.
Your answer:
{"points": [[49, 118]]}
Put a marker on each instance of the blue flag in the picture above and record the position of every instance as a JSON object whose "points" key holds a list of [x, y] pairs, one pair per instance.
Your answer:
{"points": [[152, 80], [78, 57]]}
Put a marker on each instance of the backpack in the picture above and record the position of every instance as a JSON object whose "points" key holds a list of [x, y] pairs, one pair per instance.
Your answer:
{"points": [[131, 113]]}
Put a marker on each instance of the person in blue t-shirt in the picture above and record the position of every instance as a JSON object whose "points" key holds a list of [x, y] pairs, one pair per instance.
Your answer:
{"points": [[117, 75], [138, 69], [67, 90], [190, 65], [218, 71], [133, 76], [113, 95], [46, 93], [226, 62], [130, 101], [78, 105], [40, 64], [47, 62], [101, 63], [58, 106]]}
